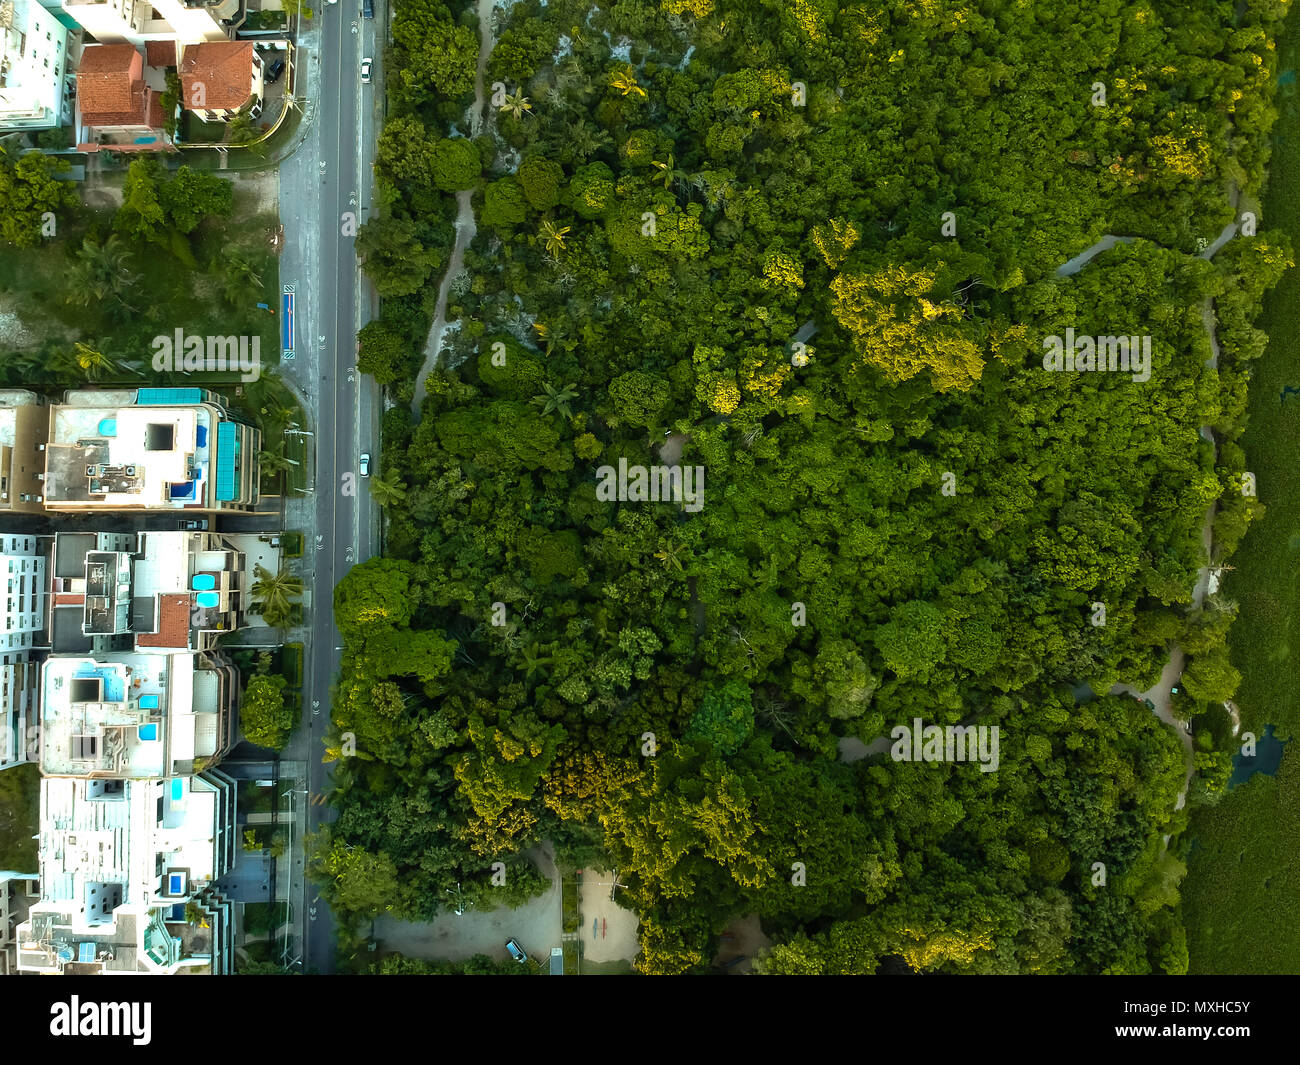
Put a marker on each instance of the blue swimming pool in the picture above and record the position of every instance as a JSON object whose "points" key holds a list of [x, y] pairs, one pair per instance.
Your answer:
{"points": [[149, 731]]}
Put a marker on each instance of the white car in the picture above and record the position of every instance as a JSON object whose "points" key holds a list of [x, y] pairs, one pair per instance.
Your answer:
{"points": [[365, 464], [365, 71]]}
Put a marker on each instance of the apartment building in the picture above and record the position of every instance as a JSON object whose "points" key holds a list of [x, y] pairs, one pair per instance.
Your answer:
{"points": [[138, 21], [136, 716], [33, 66], [24, 614], [151, 591], [24, 425], [177, 449], [17, 893], [127, 875]]}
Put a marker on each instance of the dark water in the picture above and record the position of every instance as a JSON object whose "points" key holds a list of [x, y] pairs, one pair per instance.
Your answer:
{"points": [[1268, 756]]}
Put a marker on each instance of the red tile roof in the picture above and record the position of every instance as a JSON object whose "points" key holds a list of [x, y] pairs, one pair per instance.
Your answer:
{"points": [[224, 70], [111, 58], [110, 91], [160, 53], [173, 624]]}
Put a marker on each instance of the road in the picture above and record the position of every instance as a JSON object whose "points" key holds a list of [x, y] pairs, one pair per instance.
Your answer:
{"points": [[328, 179]]}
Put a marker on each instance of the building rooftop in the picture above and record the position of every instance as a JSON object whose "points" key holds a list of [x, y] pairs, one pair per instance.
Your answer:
{"points": [[223, 69], [165, 589], [129, 456], [126, 714]]}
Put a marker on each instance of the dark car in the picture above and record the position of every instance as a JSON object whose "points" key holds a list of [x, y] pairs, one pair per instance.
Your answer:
{"points": [[274, 71], [368, 8]]}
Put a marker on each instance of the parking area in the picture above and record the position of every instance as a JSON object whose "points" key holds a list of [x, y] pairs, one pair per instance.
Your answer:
{"points": [[536, 925]]}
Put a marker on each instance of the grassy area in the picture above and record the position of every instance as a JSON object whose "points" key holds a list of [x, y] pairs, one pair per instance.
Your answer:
{"points": [[254, 799], [291, 663], [262, 918], [291, 543], [195, 131], [172, 293], [1242, 893], [20, 793]]}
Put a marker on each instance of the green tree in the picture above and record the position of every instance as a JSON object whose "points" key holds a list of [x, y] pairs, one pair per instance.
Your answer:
{"points": [[273, 594], [264, 717], [384, 353], [28, 191]]}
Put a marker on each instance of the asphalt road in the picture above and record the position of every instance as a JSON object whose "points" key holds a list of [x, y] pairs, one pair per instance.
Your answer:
{"points": [[338, 301]]}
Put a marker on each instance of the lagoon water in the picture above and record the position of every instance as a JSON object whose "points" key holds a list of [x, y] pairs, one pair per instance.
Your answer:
{"points": [[1268, 756]]}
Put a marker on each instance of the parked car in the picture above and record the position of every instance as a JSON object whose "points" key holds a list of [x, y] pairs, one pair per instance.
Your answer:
{"points": [[365, 70], [274, 71], [365, 464], [516, 951], [368, 8]]}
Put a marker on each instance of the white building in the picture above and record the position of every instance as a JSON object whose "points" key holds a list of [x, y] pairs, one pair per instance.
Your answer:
{"points": [[138, 21], [23, 627], [178, 449], [127, 875], [33, 65], [135, 716]]}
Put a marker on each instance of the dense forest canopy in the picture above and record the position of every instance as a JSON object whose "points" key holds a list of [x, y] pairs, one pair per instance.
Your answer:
{"points": [[816, 245]]}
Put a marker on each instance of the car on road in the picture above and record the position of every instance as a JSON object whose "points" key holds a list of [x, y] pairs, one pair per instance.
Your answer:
{"points": [[365, 70], [192, 524], [365, 464], [368, 8], [516, 951], [274, 71]]}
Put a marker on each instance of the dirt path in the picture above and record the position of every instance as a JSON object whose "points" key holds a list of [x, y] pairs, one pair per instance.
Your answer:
{"points": [[466, 228], [852, 749], [1160, 695]]}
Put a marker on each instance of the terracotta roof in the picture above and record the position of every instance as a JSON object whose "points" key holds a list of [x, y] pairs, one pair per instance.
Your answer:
{"points": [[108, 93], [160, 53], [224, 69], [69, 599], [101, 58], [155, 110], [173, 624]]}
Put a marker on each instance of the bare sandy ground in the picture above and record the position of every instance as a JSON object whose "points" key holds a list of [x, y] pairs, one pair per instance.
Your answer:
{"points": [[619, 941]]}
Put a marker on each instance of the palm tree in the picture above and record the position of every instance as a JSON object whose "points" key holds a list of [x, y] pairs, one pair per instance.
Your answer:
{"points": [[388, 489], [241, 274], [667, 171], [553, 235], [557, 399], [100, 273], [625, 81], [534, 659], [91, 362], [516, 104], [274, 593], [671, 557], [273, 462], [583, 140]]}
